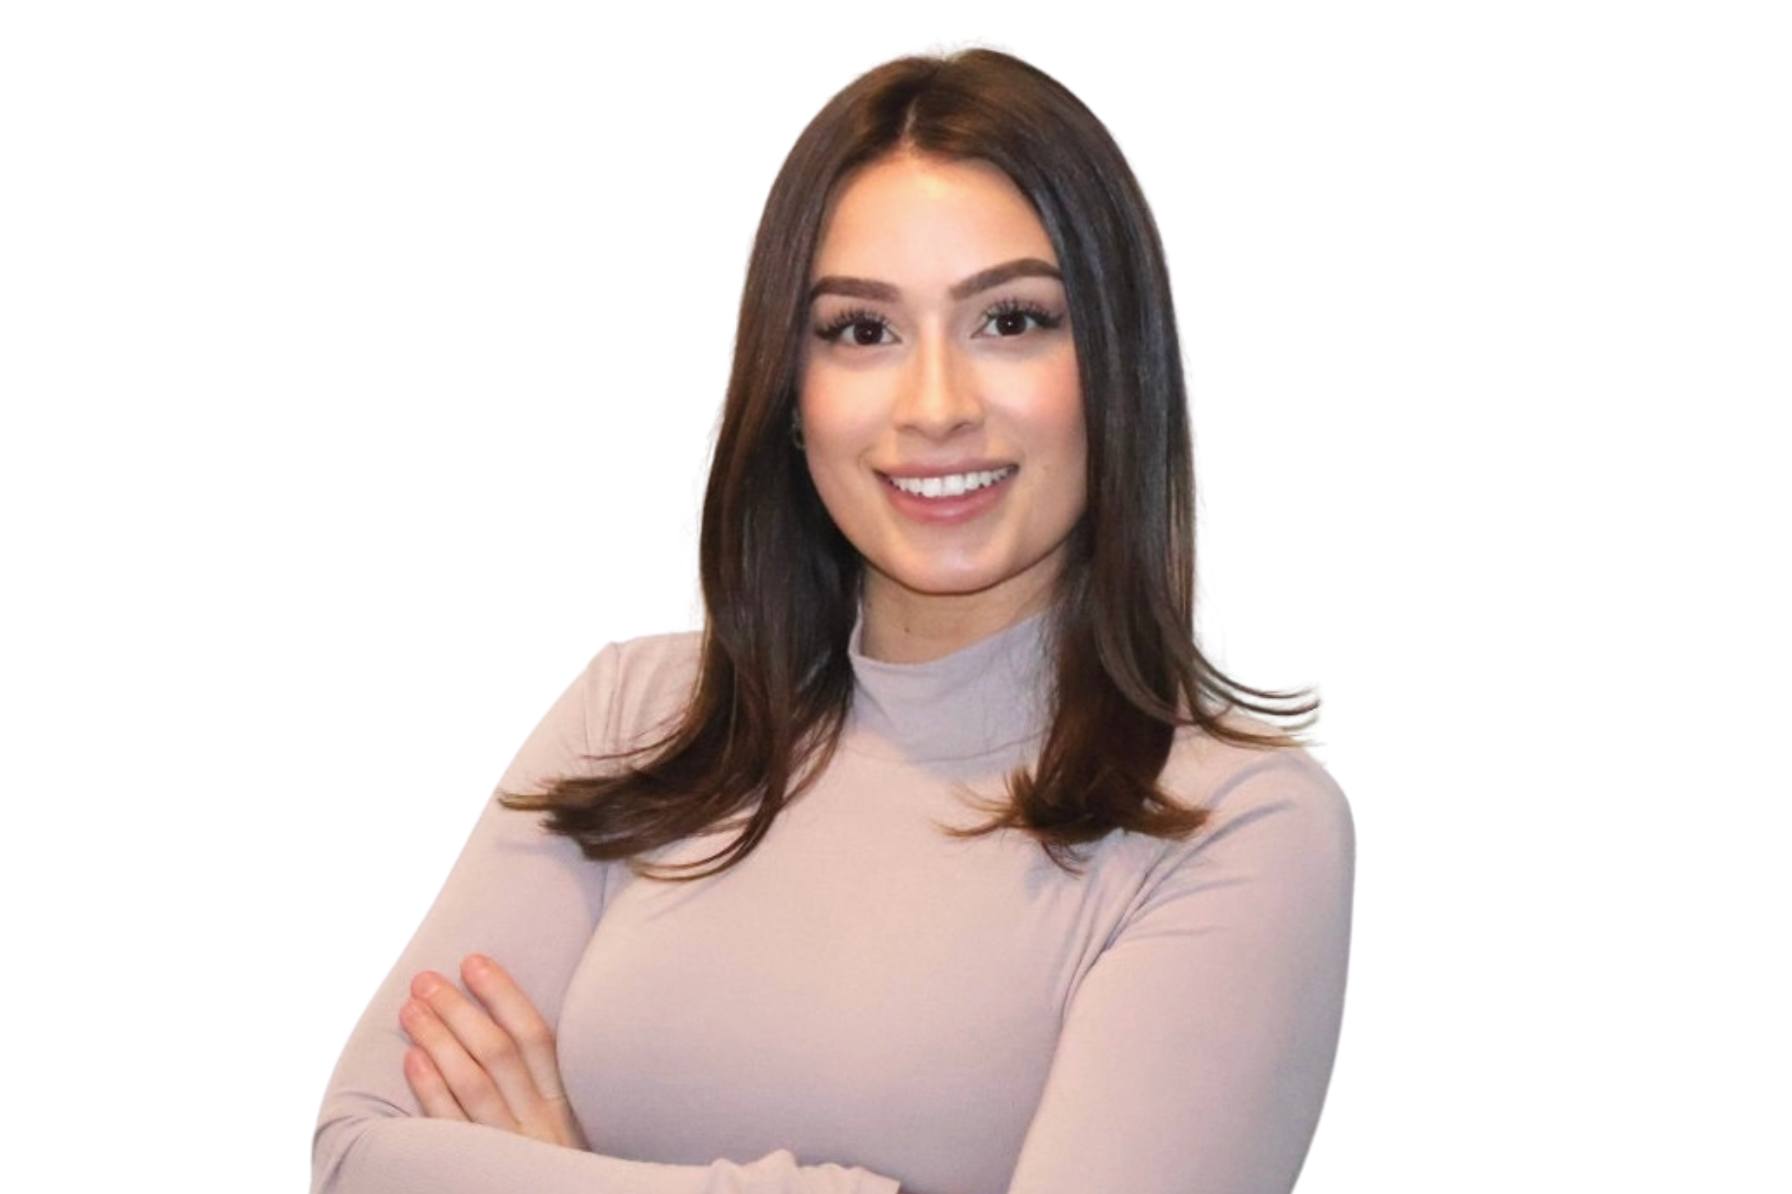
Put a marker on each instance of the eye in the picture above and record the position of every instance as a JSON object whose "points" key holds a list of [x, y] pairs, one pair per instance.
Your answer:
{"points": [[858, 317], [1014, 313], [1010, 316]]}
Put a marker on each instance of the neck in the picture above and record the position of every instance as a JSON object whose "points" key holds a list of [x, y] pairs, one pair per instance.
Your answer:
{"points": [[899, 626], [980, 696]]}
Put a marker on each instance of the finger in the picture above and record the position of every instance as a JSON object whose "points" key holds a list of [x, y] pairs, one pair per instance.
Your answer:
{"points": [[428, 1085], [466, 1076], [493, 1045], [572, 1132], [510, 1007], [523, 1062]]}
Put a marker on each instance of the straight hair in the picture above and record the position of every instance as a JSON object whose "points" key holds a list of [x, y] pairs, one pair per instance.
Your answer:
{"points": [[781, 583]]}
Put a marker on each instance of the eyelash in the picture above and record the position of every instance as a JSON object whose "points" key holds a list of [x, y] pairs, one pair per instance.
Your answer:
{"points": [[1009, 306]]}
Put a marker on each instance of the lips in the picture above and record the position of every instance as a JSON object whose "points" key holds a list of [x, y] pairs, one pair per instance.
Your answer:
{"points": [[948, 509]]}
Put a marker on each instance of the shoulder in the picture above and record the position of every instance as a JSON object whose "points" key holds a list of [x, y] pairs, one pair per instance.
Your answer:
{"points": [[1274, 862], [1282, 799], [635, 685]]}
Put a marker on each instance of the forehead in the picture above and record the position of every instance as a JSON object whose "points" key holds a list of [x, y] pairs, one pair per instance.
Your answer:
{"points": [[925, 223]]}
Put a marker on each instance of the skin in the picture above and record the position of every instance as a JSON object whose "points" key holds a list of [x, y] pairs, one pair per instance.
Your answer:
{"points": [[491, 1061], [942, 382]]}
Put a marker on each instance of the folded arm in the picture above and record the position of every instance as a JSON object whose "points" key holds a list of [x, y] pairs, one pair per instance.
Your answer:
{"points": [[531, 900]]}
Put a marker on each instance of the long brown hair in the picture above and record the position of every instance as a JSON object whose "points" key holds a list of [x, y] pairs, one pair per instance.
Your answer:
{"points": [[780, 582]]}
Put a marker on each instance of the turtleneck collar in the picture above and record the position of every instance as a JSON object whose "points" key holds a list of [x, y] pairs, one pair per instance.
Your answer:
{"points": [[985, 696]]}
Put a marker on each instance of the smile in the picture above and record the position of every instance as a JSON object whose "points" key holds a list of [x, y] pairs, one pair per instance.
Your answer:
{"points": [[952, 484], [951, 499]]}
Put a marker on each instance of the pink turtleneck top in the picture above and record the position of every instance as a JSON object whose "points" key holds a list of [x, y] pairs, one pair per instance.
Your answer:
{"points": [[865, 1004]]}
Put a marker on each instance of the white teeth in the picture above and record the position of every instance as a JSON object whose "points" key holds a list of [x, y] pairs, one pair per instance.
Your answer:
{"points": [[951, 485]]}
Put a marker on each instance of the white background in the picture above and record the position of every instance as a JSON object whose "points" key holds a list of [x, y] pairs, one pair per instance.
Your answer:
{"points": [[360, 363]]}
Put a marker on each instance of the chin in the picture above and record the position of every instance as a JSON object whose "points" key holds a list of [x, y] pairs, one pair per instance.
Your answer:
{"points": [[941, 582]]}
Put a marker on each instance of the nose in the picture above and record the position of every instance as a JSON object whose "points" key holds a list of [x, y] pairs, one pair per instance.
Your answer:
{"points": [[939, 394]]}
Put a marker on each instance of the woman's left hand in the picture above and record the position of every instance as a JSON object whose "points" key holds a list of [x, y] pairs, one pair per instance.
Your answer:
{"points": [[493, 1065]]}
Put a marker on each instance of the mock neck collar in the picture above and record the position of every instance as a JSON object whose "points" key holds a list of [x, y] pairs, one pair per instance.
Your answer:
{"points": [[985, 696]]}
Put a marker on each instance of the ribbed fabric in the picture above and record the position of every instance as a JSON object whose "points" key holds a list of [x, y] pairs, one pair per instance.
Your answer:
{"points": [[982, 697], [865, 1002]]}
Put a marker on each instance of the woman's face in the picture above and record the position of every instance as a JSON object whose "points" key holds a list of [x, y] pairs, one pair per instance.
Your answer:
{"points": [[918, 363]]}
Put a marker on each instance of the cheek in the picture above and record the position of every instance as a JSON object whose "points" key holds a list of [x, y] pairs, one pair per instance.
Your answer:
{"points": [[1057, 418], [837, 436], [837, 430], [846, 416], [1060, 444]]}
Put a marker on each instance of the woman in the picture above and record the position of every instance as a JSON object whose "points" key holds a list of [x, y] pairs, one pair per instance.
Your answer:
{"points": [[1013, 897]]}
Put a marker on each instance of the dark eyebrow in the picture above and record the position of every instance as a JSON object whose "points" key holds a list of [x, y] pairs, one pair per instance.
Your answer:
{"points": [[995, 275]]}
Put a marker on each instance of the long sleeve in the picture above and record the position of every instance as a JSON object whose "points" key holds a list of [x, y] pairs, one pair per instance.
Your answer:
{"points": [[531, 900], [1195, 1055]]}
